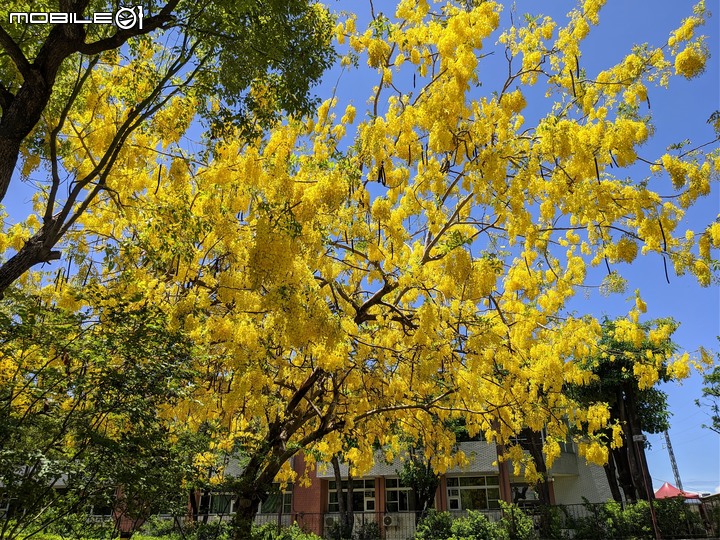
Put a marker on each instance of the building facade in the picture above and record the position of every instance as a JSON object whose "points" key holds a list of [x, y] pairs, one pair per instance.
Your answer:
{"points": [[381, 497]]}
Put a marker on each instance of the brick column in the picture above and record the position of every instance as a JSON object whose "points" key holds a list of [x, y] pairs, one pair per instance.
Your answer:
{"points": [[504, 473], [308, 503], [441, 495]]}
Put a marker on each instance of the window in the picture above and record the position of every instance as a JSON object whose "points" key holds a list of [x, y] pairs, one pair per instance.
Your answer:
{"points": [[523, 494], [363, 496], [278, 502], [473, 493], [4, 504], [221, 504], [398, 497]]}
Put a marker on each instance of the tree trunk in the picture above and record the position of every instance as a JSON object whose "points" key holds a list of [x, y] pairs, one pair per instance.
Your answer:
{"points": [[251, 489], [245, 511], [345, 501], [535, 448], [644, 485], [628, 450], [424, 492], [624, 405], [206, 508], [194, 511], [611, 473], [623, 468]]}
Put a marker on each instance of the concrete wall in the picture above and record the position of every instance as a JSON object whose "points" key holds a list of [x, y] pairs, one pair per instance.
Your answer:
{"points": [[590, 483]]}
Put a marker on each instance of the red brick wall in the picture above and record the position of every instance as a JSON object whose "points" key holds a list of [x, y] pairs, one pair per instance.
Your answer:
{"points": [[309, 502]]}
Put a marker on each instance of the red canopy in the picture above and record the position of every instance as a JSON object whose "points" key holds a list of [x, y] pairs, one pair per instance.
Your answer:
{"points": [[667, 491]]}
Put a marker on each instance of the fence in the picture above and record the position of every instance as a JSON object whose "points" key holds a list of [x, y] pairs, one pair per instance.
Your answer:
{"points": [[675, 519]]}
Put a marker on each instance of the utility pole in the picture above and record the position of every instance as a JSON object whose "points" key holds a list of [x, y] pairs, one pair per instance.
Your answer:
{"points": [[637, 441], [676, 472]]}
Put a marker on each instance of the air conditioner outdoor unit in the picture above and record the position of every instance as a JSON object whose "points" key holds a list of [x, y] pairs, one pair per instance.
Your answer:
{"points": [[329, 521], [390, 521]]}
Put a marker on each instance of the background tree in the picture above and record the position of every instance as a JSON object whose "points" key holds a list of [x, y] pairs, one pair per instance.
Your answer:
{"points": [[81, 400], [416, 269], [635, 405], [418, 473], [212, 54], [711, 398]]}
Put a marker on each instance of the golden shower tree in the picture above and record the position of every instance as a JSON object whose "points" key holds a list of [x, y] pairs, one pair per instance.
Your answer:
{"points": [[350, 278]]}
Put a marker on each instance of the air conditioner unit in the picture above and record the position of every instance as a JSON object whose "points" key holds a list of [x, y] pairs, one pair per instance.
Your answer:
{"points": [[390, 521], [329, 521]]}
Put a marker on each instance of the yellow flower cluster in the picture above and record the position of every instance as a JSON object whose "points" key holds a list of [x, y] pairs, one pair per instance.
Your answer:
{"points": [[691, 61]]}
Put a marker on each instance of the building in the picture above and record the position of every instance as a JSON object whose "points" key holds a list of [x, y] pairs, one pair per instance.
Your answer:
{"points": [[380, 496]]}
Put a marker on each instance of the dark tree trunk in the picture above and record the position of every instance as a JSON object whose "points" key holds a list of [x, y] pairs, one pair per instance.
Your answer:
{"points": [[345, 501], [644, 483], [628, 449], [245, 511], [611, 473], [206, 507], [194, 511], [424, 492], [624, 476], [535, 448], [251, 488]]}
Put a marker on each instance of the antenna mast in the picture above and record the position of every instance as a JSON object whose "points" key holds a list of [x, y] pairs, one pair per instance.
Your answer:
{"points": [[673, 462]]}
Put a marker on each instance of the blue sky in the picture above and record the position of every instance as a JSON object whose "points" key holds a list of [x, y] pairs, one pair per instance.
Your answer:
{"points": [[678, 113]]}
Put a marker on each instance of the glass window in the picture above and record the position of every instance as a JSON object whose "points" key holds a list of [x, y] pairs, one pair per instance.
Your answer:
{"points": [[473, 493], [398, 497], [221, 503], [363, 496], [4, 504], [523, 494], [275, 499]]}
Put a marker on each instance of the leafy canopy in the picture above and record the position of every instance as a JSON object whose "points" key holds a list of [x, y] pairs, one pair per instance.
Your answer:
{"points": [[353, 279]]}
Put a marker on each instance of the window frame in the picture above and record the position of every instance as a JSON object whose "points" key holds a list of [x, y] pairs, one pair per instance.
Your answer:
{"points": [[367, 489], [397, 489], [488, 484]]}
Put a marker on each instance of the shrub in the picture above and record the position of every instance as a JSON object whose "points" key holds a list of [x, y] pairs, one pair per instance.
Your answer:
{"points": [[435, 526], [213, 530], [269, 531], [368, 531], [158, 527], [76, 526], [474, 527], [516, 524], [676, 518]]}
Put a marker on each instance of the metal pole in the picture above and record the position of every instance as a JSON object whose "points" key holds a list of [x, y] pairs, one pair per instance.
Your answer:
{"points": [[650, 496]]}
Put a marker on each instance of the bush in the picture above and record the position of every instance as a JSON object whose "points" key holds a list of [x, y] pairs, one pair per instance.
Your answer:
{"points": [[610, 520], [552, 521], [435, 526], [158, 527], [368, 531], [515, 524], [269, 531], [76, 526], [474, 527], [677, 518]]}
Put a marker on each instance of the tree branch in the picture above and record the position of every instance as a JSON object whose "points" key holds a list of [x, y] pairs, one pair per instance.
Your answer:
{"points": [[15, 53], [121, 36]]}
